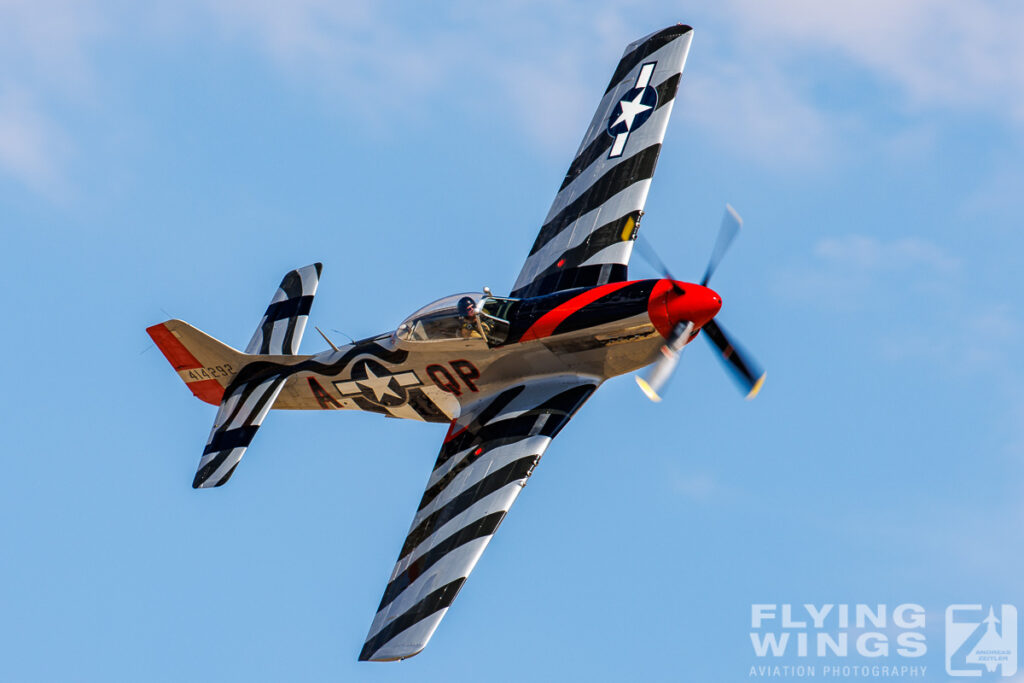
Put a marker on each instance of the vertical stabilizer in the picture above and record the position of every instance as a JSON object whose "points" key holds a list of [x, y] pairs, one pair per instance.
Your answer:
{"points": [[282, 326]]}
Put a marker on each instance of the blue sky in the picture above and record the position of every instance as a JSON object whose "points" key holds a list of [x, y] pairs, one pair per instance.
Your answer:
{"points": [[176, 160]]}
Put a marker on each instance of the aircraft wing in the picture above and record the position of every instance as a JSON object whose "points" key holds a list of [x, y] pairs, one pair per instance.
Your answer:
{"points": [[487, 456], [587, 237]]}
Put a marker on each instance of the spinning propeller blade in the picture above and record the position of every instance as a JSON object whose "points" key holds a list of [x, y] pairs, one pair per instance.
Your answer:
{"points": [[731, 224], [746, 372], [744, 369], [648, 253], [663, 367]]}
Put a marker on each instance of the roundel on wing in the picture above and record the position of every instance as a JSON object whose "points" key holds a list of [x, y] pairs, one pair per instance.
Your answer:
{"points": [[635, 107]]}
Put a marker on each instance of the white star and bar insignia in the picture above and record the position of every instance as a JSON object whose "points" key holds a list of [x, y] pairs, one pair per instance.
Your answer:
{"points": [[379, 385], [635, 107]]}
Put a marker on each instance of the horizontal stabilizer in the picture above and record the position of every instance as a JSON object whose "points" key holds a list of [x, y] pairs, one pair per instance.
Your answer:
{"points": [[244, 408]]}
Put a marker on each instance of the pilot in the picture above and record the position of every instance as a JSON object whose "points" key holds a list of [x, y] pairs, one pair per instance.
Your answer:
{"points": [[470, 327]]}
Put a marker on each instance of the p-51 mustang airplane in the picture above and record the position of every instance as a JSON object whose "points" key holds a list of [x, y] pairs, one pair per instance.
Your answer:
{"points": [[506, 373]]}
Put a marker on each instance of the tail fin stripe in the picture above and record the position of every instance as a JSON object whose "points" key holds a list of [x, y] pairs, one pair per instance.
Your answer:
{"points": [[266, 330], [303, 306], [291, 285], [289, 307], [289, 335]]}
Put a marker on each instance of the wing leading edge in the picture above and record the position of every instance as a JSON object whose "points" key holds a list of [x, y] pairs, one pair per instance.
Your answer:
{"points": [[588, 234], [486, 458]]}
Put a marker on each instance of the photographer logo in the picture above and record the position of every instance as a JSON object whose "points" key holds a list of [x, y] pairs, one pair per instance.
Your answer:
{"points": [[981, 640]]}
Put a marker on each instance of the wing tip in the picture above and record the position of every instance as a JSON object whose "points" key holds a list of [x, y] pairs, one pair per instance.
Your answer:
{"points": [[366, 656], [674, 30], [668, 33]]}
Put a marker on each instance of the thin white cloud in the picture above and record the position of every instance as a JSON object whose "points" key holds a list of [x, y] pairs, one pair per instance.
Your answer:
{"points": [[755, 112], [334, 46], [752, 91], [31, 147], [531, 87], [963, 340], [299, 30], [997, 198], [700, 487], [472, 58], [848, 272], [548, 90], [917, 287], [937, 52], [868, 254], [762, 67], [48, 43], [44, 62]]}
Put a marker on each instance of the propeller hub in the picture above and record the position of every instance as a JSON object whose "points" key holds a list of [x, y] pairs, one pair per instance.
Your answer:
{"points": [[673, 302]]}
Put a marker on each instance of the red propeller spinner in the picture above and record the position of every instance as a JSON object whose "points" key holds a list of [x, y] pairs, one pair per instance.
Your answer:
{"points": [[673, 302]]}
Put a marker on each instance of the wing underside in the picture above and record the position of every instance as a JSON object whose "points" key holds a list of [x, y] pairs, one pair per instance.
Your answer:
{"points": [[588, 234], [486, 458]]}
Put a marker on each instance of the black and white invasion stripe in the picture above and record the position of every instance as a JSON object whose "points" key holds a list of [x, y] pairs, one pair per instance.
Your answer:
{"points": [[588, 234], [280, 330], [483, 465], [241, 412]]}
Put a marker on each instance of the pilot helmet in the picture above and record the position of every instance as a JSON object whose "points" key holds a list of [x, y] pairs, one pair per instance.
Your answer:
{"points": [[467, 306]]}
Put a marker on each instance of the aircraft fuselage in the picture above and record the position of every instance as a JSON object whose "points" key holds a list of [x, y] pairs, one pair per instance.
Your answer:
{"points": [[599, 332]]}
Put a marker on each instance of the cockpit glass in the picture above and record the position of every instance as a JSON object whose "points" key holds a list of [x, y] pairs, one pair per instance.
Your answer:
{"points": [[467, 316], [494, 314]]}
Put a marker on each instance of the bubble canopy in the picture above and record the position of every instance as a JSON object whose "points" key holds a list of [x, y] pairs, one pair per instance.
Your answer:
{"points": [[466, 316]]}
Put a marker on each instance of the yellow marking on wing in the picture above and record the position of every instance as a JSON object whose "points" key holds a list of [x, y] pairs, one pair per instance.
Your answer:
{"points": [[627, 229]]}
